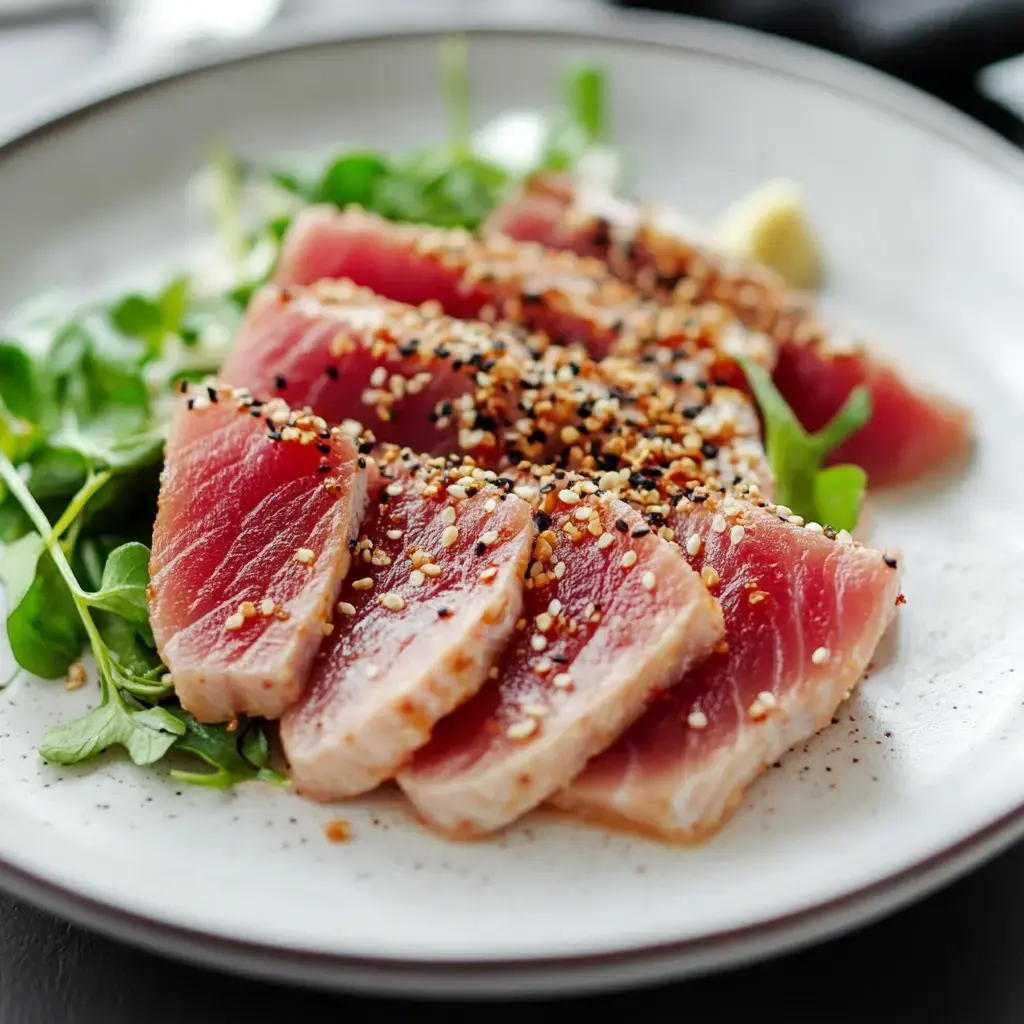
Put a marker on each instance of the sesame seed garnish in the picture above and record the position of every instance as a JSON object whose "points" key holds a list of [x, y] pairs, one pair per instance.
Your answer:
{"points": [[544, 622], [346, 609], [648, 580], [814, 527], [736, 534], [605, 540], [490, 537], [393, 602], [796, 520], [718, 524], [562, 680], [394, 489], [559, 570], [304, 555], [568, 497], [394, 534], [267, 606], [526, 493], [538, 642], [521, 730], [709, 574], [416, 578], [697, 720], [844, 537], [448, 515], [235, 621], [450, 536], [488, 574], [820, 656], [535, 710], [430, 569], [555, 608], [628, 560], [693, 543], [456, 491], [767, 698], [327, 628], [366, 583], [490, 505]]}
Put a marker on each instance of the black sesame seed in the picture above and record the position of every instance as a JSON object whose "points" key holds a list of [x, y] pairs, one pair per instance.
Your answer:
{"points": [[365, 447], [622, 526], [480, 547], [443, 613], [323, 449], [889, 561], [709, 450], [543, 520], [183, 386], [332, 372], [640, 531], [323, 469], [212, 392], [191, 403], [280, 383], [362, 462]]}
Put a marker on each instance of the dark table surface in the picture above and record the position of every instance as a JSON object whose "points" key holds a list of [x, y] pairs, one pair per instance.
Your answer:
{"points": [[956, 957]]}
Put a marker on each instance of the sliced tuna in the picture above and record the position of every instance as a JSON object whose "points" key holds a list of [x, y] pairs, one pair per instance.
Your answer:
{"points": [[574, 300], [250, 547], [803, 615], [612, 616], [670, 260], [433, 595], [351, 355]]}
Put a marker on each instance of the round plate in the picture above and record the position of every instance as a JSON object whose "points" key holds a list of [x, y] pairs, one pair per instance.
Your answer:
{"points": [[921, 214]]}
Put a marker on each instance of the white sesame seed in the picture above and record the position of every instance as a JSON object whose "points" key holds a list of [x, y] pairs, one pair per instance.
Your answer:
{"points": [[581, 515], [736, 534], [490, 537], [718, 524], [430, 569], [378, 377], [784, 511], [756, 710], [393, 602], [366, 583], [522, 729], [814, 527], [235, 621], [767, 698], [448, 515], [568, 497], [450, 536], [648, 580], [555, 608], [820, 656], [526, 493], [605, 540], [559, 570], [538, 642], [247, 609], [490, 505], [394, 534], [628, 560], [394, 489], [488, 574], [697, 720], [844, 537], [416, 578], [796, 520], [304, 555], [693, 543], [456, 491], [562, 680], [535, 710], [267, 606], [346, 609], [544, 622]]}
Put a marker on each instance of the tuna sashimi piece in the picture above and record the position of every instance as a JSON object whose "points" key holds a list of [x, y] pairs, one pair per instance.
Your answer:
{"points": [[670, 260], [349, 354], [803, 615], [612, 615], [433, 595], [250, 547], [574, 300]]}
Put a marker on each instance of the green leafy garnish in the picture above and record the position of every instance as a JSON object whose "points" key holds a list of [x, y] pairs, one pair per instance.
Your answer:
{"points": [[828, 496], [240, 754]]}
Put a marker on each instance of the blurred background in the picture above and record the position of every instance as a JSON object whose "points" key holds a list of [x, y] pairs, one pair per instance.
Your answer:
{"points": [[969, 52]]}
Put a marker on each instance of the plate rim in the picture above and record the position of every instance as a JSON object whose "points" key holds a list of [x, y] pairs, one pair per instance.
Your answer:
{"points": [[568, 973]]}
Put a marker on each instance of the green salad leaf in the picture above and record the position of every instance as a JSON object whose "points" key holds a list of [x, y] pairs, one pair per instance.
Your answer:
{"points": [[123, 585], [238, 754], [829, 496]]}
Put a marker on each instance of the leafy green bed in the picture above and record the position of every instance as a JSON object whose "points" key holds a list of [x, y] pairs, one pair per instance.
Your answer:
{"points": [[82, 426]]}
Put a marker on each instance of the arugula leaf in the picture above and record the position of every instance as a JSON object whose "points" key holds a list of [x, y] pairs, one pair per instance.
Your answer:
{"points": [[582, 124], [123, 587], [351, 178], [829, 496], [133, 652], [147, 734], [43, 630], [238, 755], [19, 389]]}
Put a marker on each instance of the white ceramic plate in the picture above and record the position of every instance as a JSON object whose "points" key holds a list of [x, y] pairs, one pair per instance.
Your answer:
{"points": [[922, 216]]}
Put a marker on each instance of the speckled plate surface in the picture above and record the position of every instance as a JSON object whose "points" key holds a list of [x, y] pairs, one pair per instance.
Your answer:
{"points": [[922, 217]]}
